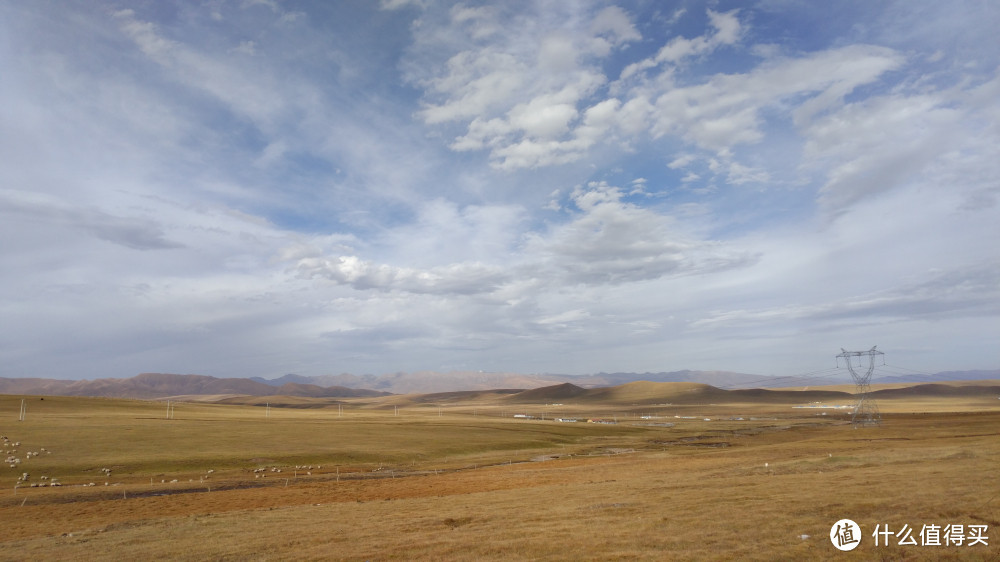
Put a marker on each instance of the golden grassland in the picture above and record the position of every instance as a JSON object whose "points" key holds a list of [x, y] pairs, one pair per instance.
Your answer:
{"points": [[458, 478]]}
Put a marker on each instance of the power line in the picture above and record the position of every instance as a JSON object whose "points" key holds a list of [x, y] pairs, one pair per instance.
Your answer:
{"points": [[906, 370]]}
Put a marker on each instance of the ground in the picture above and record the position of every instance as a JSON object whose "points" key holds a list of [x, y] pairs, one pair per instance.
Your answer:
{"points": [[398, 479]]}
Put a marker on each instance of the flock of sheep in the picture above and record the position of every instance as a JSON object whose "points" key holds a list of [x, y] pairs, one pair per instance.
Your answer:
{"points": [[10, 449], [13, 460], [262, 472]]}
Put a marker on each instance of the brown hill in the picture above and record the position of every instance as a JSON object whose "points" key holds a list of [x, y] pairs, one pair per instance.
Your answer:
{"points": [[645, 392], [48, 387], [460, 396], [155, 385], [279, 401], [315, 391], [549, 393], [938, 389], [786, 396]]}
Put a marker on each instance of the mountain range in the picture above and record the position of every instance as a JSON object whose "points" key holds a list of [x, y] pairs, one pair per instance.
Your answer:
{"points": [[162, 385]]}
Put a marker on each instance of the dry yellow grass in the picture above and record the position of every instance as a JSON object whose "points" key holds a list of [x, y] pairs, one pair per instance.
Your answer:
{"points": [[698, 490]]}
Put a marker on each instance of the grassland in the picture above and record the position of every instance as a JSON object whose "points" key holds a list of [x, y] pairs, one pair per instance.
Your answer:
{"points": [[456, 477]]}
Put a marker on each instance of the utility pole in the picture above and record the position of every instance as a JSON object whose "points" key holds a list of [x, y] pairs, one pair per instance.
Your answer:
{"points": [[865, 411]]}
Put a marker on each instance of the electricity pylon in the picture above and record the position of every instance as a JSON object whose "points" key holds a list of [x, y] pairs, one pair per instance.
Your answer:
{"points": [[865, 411]]}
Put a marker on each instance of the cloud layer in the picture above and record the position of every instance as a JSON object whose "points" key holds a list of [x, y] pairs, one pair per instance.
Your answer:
{"points": [[252, 188]]}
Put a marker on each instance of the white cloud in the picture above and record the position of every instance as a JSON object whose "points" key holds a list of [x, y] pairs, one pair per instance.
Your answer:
{"points": [[970, 291], [885, 142], [614, 22], [397, 4], [607, 242], [476, 84], [542, 117], [726, 31], [613, 242], [522, 96], [453, 279], [132, 232], [726, 110], [546, 111]]}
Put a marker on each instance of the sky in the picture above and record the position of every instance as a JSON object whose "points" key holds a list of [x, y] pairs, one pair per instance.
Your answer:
{"points": [[261, 187]]}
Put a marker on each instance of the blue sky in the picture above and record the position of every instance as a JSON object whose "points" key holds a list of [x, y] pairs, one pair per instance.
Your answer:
{"points": [[260, 187]]}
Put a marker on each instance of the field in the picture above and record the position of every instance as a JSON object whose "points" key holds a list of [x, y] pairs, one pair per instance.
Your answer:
{"points": [[458, 477]]}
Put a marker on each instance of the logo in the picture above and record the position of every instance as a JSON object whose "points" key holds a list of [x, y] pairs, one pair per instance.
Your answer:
{"points": [[845, 535]]}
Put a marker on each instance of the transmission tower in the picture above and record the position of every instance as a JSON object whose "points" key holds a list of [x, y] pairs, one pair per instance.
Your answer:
{"points": [[865, 411]]}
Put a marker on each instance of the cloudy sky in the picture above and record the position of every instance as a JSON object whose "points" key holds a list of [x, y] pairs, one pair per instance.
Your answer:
{"points": [[261, 187]]}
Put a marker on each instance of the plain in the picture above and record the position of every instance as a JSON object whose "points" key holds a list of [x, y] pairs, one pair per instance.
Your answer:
{"points": [[457, 476]]}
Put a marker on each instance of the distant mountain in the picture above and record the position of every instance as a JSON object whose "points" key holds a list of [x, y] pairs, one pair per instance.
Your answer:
{"points": [[290, 378], [160, 385], [943, 376], [425, 382]]}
